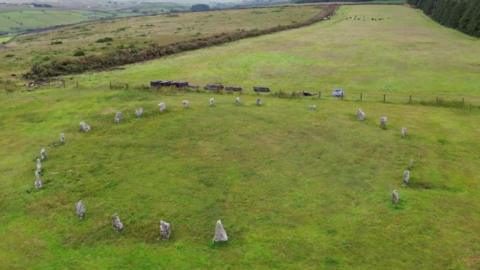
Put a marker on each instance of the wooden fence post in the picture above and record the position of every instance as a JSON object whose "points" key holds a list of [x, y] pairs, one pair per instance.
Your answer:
{"points": [[384, 98], [361, 96], [319, 94], [110, 85], [410, 99]]}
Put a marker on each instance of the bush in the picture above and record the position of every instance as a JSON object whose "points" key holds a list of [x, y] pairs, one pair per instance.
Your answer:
{"points": [[105, 40], [79, 53]]}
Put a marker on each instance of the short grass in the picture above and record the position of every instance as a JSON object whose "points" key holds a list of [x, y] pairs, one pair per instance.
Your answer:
{"points": [[295, 189], [141, 32], [405, 53]]}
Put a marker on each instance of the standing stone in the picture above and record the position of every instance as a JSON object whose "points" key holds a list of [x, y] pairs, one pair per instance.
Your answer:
{"points": [[259, 102], [62, 138], [39, 165], [237, 101], [185, 104], [165, 230], [84, 127], [43, 154], [162, 106], [406, 177], [383, 122], [37, 174], [139, 112], [360, 115], [411, 164], [116, 223], [395, 197], [211, 101], [38, 183], [80, 208], [220, 233], [404, 132], [118, 117], [312, 107]]}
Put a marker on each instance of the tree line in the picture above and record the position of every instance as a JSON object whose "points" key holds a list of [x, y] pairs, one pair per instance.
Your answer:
{"points": [[463, 15]]}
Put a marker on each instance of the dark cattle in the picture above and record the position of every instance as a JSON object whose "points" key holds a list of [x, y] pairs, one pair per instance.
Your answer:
{"points": [[167, 83], [307, 94], [259, 89], [214, 87], [181, 84], [155, 83], [233, 88]]}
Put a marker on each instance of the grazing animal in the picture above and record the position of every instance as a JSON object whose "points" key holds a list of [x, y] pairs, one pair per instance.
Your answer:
{"points": [[81, 210], [116, 223], [406, 177], [38, 183], [383, 122], [220, 233], [84, 127], [312, 107], [165, 230], [211, 101], [43, 154], [360, 115], [237, 101], [259, 102], [185, 104], [395, 197], [139, 112], [62, 138], [118, 117], [162, 106], [404, 132]]}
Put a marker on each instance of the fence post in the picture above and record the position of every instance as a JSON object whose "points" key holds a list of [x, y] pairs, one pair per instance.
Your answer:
{"points": [[410, 99], [126, 86], [384, 98], [463, 102], [63, 83], [319, 94], [110, 85], [361, 96]]}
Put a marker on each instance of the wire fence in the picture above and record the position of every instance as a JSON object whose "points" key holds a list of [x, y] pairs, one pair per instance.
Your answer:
{"points": [[455, 101]]}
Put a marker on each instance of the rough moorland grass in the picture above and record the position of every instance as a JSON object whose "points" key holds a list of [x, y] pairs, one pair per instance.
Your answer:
{"points": [[405, 53], [295, 189], [140, 32]]}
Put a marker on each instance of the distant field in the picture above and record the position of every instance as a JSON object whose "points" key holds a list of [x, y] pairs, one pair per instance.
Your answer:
{"points": [[370, 49], [142, 31], [28, 19]]}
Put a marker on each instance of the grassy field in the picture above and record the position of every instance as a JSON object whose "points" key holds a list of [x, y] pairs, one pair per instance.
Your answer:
{"points": [[28, 19], [295, 189], [140, 32], [404, 53]]}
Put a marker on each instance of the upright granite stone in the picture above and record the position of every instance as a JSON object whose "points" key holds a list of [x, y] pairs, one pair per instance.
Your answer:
{"points": [[165, 230], [38, 183], [259, 102], [312, 108], [185, 104], [361, 115], [383, 122], [238, 101], [220, 233], [162, 106], [139, 112], [406, 177], [211, 101], [39, 165], [62, 138], [81, 210], [395, 197], [84, 127], [404, 132], [118, 117], [43, 154], [116, 223]]}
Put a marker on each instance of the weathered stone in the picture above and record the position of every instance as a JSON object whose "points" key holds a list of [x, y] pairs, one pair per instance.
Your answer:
{"points": [[220, 233], [118, 117], [116, 223], [259, 102], [81, 210], [211, 101], [237, 101], [360, 115], [62, 138], [37, 174], [185, 104], [406, 177], [383, 122], [139, 112], [312, 107], [162, 106], [84, 127], [165, 230], [39, 165], [411, 164], [38, 183], [404, 132], [395, 197], [43, 154]]}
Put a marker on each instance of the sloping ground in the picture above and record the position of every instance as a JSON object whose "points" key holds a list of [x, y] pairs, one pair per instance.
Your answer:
{"points": [[374, 49], [295, 188]]}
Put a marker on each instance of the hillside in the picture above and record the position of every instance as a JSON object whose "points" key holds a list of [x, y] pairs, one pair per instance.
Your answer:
{"points": [[371, 49]]}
